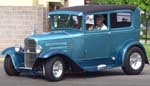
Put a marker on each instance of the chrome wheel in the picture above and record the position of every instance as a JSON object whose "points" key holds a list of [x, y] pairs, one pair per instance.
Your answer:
{"points": [[135, 60], [54, 69], [57, 69]]}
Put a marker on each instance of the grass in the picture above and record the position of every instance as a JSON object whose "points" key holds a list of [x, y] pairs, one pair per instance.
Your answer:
{"points": [[147, 47]]}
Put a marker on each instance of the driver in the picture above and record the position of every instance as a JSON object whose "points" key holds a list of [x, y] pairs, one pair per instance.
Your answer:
{"points": [[99, 23]]}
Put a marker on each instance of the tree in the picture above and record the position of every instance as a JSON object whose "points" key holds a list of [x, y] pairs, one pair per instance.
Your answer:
{"points": [[143, 4]]}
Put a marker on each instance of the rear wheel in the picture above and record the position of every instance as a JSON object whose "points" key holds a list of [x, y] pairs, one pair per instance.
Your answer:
{"points": [[54, 69], [9, 67], [134, 61]]}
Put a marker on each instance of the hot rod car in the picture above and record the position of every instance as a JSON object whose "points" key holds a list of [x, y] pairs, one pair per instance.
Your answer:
{"points": [[75, 43]]}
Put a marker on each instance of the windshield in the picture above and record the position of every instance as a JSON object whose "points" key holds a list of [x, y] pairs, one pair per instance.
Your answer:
{"points": [[63, 21]]}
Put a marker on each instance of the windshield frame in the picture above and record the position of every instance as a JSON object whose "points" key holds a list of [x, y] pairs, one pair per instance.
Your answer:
{"points": [[66, 13]]}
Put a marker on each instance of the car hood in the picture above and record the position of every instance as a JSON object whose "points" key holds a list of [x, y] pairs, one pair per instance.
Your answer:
{"points": [[53, 35]]}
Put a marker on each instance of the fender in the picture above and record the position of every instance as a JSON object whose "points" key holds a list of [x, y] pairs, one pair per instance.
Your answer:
{"points": [[127, 46], [50, 53], [17, 57], [8, 51]]}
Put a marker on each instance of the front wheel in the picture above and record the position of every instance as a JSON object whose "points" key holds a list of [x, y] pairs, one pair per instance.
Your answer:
{"points": [[134, 61], [54, 69], [9, 67]]}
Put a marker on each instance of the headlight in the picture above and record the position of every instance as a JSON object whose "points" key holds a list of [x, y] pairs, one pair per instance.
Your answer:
{"points": [[17, 48], [38, 49]]}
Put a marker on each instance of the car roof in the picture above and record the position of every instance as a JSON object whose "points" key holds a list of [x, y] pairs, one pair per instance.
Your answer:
{"points": [[98, 8]]}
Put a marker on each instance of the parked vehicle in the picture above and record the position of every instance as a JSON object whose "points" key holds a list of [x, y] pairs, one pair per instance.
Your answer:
{"points": [[82, 38]]}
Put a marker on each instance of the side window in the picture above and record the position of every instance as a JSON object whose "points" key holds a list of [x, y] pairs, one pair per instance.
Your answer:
{"points": [[120, 20], [96, 22], [77, 22]]}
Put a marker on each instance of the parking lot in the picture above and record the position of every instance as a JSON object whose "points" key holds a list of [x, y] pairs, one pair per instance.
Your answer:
{"points": [[114, 77]]}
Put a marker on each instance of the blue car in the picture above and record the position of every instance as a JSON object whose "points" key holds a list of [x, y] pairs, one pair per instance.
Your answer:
{"points": [[82, 38]]}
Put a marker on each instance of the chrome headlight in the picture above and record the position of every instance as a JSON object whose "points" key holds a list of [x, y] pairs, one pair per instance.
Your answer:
{"points": [[17, 48], [38, 49]]}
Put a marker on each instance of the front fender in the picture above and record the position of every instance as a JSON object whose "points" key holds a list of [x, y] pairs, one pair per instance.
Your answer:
{"points": [[17, 57], [50, 53], [127, 46], [65, 56], [9, 50]]}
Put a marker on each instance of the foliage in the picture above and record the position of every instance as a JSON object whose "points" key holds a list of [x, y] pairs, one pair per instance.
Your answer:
{"points": [[144, 34], [147, 47], [143, 4]]}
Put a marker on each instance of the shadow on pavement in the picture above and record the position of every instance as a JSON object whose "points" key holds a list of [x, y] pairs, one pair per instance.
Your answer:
{"points": [[80, 75], [94, 74]]}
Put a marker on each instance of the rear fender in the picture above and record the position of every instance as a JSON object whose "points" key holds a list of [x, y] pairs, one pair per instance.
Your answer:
{"points": [[127, 46]]}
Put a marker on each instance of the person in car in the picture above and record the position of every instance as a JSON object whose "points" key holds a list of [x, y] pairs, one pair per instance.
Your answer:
{"points": [[89, 22], [100, 23]]}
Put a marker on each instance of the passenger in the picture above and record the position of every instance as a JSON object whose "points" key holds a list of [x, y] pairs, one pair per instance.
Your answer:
{"points": [[89, 22]]}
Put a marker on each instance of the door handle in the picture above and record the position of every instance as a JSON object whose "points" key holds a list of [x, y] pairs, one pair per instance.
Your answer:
{"points": [[109, 33]]}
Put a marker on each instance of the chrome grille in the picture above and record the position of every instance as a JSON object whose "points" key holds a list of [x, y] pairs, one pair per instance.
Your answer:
{"points": [[30, 52]]}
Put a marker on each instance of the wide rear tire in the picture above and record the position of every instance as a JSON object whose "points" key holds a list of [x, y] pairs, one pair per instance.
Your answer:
{"points": [[9, 67], [134, 61]]}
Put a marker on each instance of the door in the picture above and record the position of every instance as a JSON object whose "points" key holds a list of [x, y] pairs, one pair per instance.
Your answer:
{"points": [[97, 40], [97, 45]]}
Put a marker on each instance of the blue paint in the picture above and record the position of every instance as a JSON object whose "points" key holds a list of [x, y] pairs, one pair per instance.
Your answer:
{"points": [[17, 57], [87, 49]]}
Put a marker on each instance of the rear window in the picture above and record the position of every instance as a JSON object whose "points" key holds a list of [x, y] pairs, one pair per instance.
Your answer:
{"points": [[120, 20]]}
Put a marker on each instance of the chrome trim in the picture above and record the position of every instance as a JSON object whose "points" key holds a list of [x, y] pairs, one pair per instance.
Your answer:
{"points": [[30, 54], [25, 68], [135, 60], [57, 69]]}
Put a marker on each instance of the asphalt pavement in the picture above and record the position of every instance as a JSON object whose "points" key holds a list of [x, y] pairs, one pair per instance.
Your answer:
{"points": [[113, 77]]}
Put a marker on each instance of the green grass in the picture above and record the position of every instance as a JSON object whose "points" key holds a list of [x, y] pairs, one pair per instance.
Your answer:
{"points": [[147, 47]]}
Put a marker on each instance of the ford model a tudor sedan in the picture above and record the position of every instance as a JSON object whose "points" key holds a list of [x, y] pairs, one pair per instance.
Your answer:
{"points": [[82, 38]]}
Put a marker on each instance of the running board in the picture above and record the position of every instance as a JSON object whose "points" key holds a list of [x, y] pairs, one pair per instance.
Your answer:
{"points": [[101, 66], [25, 68]]}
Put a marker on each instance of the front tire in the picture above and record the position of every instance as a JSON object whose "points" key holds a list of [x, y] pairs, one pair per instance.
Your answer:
{"points": [[9, 67], [54, 69], [134, 61]]}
